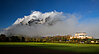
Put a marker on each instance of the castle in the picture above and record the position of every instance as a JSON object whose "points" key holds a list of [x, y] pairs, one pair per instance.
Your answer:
{"points": [[81, 35]]}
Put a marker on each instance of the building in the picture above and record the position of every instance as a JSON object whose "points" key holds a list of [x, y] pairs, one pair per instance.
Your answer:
{"points": [[81, 35]]}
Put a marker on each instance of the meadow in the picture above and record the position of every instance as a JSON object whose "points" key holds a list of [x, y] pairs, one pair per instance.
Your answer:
{"points": [[66, 47]]}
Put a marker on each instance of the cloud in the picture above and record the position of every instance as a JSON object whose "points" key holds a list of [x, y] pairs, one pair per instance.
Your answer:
{"points": [[39, 24], [91, 26]]}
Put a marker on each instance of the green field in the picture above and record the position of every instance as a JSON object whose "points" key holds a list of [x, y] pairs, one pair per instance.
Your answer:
{"points": [[67, 47]]}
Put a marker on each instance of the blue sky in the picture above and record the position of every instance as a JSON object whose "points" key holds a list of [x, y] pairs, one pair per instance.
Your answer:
{"points": [[10, 10]]}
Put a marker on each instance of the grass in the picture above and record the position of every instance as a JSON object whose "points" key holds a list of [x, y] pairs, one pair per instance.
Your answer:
{"points": [[67, 47]]}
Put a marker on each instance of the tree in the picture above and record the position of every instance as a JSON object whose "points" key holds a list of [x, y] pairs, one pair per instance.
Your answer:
{"points": [[68, 37], [15, 39], [2, 38], [23, 39]]}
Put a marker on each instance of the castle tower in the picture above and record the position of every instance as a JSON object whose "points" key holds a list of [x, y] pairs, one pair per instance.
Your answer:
{"points": [[80, 34]]}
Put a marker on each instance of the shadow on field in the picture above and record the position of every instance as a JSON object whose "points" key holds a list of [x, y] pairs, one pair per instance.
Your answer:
{"points": [[29, 50]]}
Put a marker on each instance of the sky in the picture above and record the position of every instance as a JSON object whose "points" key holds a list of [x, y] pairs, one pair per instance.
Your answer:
{"points": [[10, 10]]}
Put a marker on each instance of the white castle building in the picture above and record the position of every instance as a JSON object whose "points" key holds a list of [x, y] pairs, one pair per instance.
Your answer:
{"points": [[81, 35]]}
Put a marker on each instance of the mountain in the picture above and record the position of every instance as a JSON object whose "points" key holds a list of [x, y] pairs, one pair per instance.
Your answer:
{"points": [[39, 18]]}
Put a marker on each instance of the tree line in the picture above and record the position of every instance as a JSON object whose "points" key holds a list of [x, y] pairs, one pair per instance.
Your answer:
{"points": [[59, 39], [3, 38]]}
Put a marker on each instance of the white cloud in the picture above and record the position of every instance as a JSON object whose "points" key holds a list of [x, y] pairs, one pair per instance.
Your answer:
{"points": [[51, 23]]}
